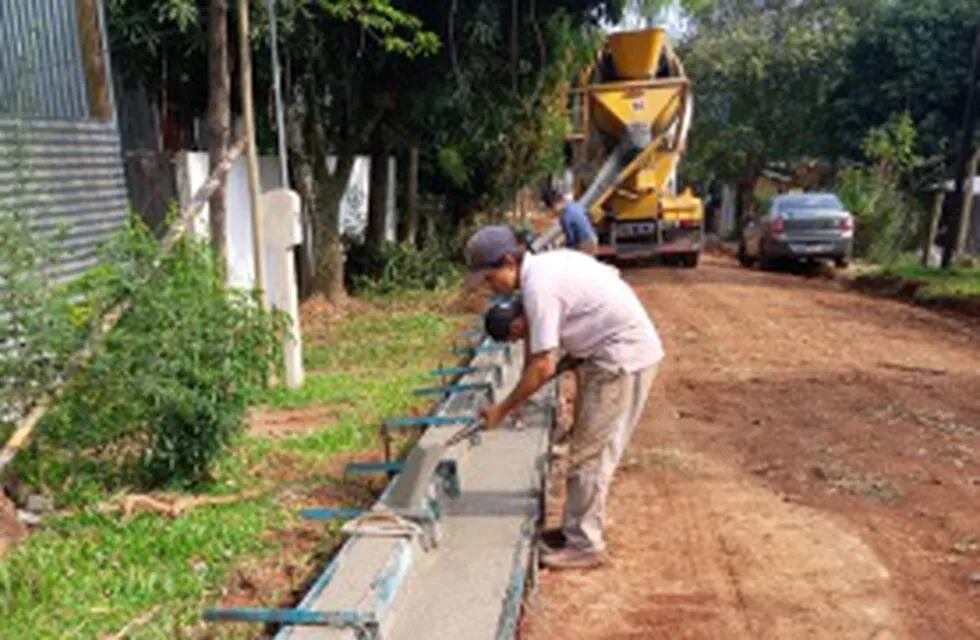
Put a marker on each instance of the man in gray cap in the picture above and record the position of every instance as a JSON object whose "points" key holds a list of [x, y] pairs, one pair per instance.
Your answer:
{"points": [[573, 303]]}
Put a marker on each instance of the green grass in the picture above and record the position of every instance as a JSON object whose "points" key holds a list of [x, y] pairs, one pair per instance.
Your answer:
{"points": [[958, 283], [87, 575]]}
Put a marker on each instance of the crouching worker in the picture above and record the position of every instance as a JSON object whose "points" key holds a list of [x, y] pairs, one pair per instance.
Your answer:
{"points": [[573, 303]]}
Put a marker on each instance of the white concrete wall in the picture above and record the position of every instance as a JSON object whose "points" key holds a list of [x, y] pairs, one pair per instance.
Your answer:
{"points": [[192, 171]]}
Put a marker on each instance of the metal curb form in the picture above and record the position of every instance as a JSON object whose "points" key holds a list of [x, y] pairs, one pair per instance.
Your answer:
{"points": [[365, 618]]}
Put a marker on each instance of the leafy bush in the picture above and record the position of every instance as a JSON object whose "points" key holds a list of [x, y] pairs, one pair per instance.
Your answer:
{"points": [[398, 267], [884, 215], [37, 332], [881, 214], [169, 390]]}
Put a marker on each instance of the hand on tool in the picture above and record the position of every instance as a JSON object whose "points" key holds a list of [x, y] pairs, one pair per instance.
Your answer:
{"points": [[493, 415], [468, 431]]}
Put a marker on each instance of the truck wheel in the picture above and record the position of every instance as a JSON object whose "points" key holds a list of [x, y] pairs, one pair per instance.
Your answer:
{"points": [[842, 262]]}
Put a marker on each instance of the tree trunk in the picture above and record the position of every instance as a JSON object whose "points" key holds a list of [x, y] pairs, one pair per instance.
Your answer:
{"points": [[745, 200], [93, 59], [328, 250], [966, 210], [929, 238], [329, 277], [377, 198], [411, 227], [963, 158], [514, 17], [973, 245], [219, 121]]}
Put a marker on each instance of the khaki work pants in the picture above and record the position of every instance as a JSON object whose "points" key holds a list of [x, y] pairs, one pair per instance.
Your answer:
{"points": [[609, 405]]}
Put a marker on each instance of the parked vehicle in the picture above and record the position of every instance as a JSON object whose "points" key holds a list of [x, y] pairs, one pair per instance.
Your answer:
{"points": [[798, 227]]}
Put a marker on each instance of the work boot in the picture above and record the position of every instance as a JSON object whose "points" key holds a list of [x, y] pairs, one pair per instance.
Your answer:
{"points": [[553, 539], [569, 558]]}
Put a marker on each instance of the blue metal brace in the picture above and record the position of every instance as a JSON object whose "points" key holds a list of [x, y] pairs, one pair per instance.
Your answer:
{"points": [[324, 513], [429, 421], [451, 372], [358, 469], [450, 389], [293, 617]]}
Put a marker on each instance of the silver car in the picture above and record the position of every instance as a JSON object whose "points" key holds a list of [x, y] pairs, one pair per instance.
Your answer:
{"points": [[798, 227]]}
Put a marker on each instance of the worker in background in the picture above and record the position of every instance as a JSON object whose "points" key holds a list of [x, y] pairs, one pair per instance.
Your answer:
{"points": [[575, 223], [574, 304]]}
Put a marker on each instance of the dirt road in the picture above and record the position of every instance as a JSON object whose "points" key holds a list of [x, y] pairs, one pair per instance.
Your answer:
{"points": [[808, 467]]}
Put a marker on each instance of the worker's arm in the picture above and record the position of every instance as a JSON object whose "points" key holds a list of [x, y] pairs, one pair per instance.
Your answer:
{"points": [[539, 369], [589, 246]]}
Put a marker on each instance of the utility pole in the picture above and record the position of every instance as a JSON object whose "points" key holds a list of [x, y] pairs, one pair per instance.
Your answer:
{"points": [[966, 142], [254, 187], [277, 90]]}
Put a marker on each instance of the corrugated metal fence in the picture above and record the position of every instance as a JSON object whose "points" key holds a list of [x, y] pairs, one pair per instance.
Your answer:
{"points": [[68, 177], [57, 165], [41, 72]]}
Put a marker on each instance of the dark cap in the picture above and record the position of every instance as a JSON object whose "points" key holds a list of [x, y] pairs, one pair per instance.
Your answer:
{"points": [[550, 196], [486, 248], [497, 319]]}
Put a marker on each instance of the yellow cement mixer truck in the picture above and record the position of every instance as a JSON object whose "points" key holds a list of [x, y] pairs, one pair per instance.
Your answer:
{"points": [[630, 119]]}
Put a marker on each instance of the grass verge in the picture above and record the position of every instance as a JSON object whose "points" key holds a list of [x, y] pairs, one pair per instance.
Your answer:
{"points": [[957, 282], [956, 289], [87, 574]]}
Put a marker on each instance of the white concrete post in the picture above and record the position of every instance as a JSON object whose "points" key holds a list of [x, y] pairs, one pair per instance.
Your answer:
{"points": [[284, 232]]}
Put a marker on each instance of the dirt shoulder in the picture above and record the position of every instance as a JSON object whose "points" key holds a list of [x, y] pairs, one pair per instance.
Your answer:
{"points": [[808, 467]]}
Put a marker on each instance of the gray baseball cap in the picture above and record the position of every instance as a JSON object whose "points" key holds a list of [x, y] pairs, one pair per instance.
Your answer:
{"points": [[485, 249]]}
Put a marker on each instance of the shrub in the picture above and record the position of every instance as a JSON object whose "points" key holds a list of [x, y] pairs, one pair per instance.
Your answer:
{"points": [[884, 217], [398, 267], [36, 331], [169, 390]]}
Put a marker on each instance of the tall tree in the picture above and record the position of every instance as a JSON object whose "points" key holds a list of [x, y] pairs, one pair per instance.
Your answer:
{"points": [[909, 55], [763, 81], [219, 120], [332, 52]]}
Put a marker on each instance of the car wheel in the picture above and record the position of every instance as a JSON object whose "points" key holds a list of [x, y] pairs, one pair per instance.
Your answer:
{"points": [[765, 262], [842, 262], [690, 260], [744, 258]]}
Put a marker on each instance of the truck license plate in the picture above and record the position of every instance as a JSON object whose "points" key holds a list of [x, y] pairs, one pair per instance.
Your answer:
{"points": [[633, 229]]}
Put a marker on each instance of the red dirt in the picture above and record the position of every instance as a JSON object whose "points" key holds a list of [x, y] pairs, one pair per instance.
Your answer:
{"points": [[281, 423], [277, 580], [12, 531], [806, 468]]}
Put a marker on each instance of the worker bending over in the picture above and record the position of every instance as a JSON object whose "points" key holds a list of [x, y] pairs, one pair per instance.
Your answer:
{"points": [[575, 304], [575, 223]]}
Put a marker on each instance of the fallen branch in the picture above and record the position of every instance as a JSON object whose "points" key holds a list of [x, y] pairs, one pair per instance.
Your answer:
{"points": [[136, 623], [111, 318], [172, 506]]}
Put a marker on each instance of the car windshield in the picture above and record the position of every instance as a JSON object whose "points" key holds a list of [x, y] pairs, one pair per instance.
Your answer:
{"points": [[809, 201]]}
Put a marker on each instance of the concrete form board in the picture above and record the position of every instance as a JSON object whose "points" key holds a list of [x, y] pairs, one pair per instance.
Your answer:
{"points": [[459, 589]]}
